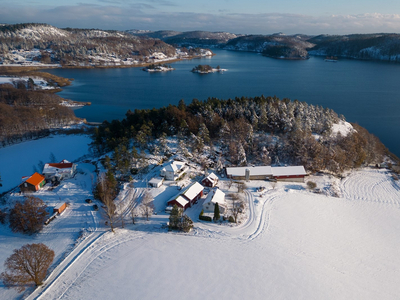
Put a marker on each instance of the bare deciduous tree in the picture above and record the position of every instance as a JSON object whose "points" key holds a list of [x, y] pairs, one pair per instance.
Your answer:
{"points": [[106, 191], [27, 265], [147, 206], [28, 216], [237, 205]]}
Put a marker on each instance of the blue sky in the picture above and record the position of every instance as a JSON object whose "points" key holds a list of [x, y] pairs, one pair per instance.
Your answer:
{"points": [[249, 17]]}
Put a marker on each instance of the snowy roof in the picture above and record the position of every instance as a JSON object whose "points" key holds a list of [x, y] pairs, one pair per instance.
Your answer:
{"points": [[193, 190], [254, 171], [216, 196], [156, 180], [174, 166], [53, 167], [182, 201], [288, 171], [212, 177]]}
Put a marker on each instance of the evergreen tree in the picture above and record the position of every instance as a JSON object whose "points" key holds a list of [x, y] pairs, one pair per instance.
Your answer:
{"points": [[216, 212]]}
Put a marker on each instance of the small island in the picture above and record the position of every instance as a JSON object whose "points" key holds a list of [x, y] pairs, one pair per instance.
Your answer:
{"points": [[206, 69], [158, 68]]}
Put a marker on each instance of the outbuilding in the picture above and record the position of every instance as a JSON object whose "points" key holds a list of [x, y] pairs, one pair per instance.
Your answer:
{"points": [[33, 183], [210, 181], [60, 208], [156, 182]]}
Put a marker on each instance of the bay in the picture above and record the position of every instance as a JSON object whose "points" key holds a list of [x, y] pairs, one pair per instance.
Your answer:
{"points": [[365, 92]]}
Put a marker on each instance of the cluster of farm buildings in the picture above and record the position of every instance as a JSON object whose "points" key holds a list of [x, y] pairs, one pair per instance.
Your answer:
{"points": [[176, 169], [52, 172]]}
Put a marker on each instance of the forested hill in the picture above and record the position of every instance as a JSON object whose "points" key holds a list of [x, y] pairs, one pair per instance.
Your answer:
{"points": [[360, 46], [49, 44], [382, 46], [250, 130]]}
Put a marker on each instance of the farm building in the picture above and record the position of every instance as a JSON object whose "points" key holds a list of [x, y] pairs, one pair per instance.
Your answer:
{"points": [[60, 208], [180, 201], [33, 183], [210, 181], [215, 196], [188, 197], [193, 192], [156, 182], [174, 170], [59, 171], [290, 173], [261, 173]]}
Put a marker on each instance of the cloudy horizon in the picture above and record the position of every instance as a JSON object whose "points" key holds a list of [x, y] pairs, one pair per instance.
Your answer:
{"points": [[229, 16]]}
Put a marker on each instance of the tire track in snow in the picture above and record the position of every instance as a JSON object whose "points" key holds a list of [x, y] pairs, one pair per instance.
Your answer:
{"points": [[383, 191]]}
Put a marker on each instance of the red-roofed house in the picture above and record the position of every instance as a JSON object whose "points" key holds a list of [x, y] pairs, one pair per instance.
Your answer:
{"points": [[61, 170], [33, 183]]}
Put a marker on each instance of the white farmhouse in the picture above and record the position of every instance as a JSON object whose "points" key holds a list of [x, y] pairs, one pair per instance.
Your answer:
{"points": [[62, 170], [174, 170], [213, 197]]}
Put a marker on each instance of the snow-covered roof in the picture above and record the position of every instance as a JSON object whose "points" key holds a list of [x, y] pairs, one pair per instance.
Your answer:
{"points": [[212, 177], [156, 180], [174, 166], [182, 201], [216, 196], [193, 190], [254, 171], [288, 171]]}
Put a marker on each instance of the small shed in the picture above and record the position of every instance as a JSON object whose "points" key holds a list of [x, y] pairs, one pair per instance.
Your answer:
{"points": [[156, 182], [60, 208], [33, 183], [210, 181]]}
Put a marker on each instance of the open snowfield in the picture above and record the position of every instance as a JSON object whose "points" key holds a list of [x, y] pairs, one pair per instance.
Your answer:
{"points": [[21, 159], [294, 244]]}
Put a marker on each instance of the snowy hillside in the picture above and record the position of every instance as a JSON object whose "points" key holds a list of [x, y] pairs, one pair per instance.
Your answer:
{"points": [[31, 44]]}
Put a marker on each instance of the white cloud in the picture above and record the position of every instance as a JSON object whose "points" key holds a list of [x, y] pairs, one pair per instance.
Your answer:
{"points": [[146, 16]]}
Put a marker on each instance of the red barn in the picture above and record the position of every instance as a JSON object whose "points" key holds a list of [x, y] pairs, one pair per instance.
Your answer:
{"points": [[211, 180]]}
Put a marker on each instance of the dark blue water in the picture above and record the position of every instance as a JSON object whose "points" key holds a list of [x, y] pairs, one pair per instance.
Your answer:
{"points": [[367, 93]]}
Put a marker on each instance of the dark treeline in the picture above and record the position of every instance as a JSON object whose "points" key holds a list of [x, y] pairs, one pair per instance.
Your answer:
{"points": [[26, 114], [250, 130]]}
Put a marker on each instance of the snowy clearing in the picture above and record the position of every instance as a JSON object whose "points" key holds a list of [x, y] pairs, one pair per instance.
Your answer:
{"points": [[295, 244]]}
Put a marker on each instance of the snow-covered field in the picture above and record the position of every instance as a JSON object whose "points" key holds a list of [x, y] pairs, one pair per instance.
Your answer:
{"points": [[295, 244], [291, 243]]}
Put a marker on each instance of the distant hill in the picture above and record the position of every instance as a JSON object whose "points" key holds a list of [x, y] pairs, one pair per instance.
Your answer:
{"points": [[76, 47], [382, 46], [189, 38], [276, 45]]}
